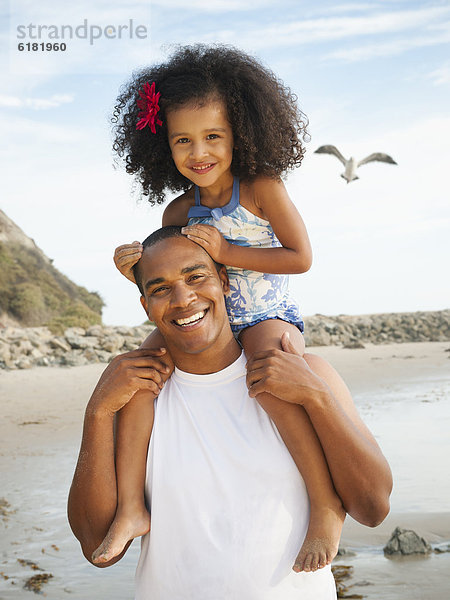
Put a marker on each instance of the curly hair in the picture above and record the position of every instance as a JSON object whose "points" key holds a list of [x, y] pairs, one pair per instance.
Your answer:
{"points": [[268, 127]]}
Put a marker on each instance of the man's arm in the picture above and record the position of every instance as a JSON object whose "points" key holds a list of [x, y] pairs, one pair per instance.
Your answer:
{"points": [[93, 494], [360, 472]]}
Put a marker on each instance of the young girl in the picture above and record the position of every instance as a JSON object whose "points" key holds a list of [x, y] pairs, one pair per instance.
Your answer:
{"points": [[216, 124]]}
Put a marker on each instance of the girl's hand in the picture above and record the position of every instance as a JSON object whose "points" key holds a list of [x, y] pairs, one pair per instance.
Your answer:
{"points": [[126, 256], [209, 238], [126, 375]]}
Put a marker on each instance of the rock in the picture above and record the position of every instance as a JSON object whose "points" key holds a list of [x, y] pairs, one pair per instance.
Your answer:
{"points": [[39, 336], [5, 352], [60, 343], [36, 354], [100, 343], [74, 359], [441, 548], [345, 552], [353, 344], [79, 342], [317, 338], [131, 344], [405, 542], [16, 334], [96, 331], [43, 362], [90, 355], [125, 330], [24, 347], [24, 363], [75, 331], [103, 357], [113, 343]]}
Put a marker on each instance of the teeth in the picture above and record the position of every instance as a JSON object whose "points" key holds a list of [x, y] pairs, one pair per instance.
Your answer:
{"points": [[201, 168], [192, 319]]}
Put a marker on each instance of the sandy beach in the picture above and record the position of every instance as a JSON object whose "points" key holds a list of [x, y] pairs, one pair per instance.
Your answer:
{"points": [[401, 391]]}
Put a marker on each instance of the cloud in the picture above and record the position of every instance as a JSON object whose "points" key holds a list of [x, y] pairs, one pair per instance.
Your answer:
{"points": [[15, 130], [35, 103], [99, 12], [414, 226], [391, 48], [216, 6], [441, 76], [341, 8], [309, 31]]}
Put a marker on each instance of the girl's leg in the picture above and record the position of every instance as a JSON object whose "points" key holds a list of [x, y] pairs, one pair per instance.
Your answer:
{"points": [[132, 437], [327, 514]]}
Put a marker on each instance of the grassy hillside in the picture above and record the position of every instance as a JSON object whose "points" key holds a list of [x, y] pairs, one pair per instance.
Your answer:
{"points": [[34, 293]]}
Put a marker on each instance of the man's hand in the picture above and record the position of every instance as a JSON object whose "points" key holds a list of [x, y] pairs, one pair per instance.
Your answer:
{"points": [[126, 256], [284, 374], [209, 238], [127, 374]]}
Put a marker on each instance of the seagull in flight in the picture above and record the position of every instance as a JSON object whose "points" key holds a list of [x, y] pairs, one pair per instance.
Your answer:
{"points": [[352, 164]]}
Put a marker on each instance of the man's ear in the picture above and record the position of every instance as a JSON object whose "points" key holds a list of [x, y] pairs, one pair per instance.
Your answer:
{"points": [[144, 305], [223, 276]]}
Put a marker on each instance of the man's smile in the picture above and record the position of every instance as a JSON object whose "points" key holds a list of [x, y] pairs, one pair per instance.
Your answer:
{"points": [[188, 322]]}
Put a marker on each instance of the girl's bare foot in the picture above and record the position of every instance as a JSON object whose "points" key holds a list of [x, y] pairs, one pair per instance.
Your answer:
{"points": [[322, 539], [123, 529]]}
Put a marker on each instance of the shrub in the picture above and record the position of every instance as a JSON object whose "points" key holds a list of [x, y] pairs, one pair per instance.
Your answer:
{"points": [[76, 315], [35, 293], [27, 304]]}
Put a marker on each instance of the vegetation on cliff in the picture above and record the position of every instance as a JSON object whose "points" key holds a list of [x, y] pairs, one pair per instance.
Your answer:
{"points": [[33, 292]]}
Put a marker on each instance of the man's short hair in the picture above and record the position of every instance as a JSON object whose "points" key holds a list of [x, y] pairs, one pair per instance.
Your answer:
{"points": [[164, 233]]}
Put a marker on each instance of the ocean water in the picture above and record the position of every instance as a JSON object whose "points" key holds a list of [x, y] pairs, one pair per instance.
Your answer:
{"points": [[39, 532], [411, 421]]}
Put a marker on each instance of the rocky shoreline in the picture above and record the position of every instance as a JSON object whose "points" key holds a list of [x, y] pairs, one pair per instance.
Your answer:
{"points": [[23, 348], [383, 328]]}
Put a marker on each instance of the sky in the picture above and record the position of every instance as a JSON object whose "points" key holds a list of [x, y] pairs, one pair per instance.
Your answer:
{"points": [[371, 77]]}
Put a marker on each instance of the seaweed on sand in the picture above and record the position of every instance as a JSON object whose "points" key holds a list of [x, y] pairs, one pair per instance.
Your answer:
{"points": [[341, 573], [35, 583]]}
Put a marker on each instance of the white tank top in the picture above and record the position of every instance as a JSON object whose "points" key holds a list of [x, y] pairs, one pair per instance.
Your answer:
{"points": [[229, 508]]}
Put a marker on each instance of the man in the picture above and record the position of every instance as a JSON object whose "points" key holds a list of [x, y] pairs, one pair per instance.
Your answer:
{"points": [[229, 509]]}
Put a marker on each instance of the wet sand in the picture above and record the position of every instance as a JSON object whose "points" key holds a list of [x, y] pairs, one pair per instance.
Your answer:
{"points": [[401, 391]]}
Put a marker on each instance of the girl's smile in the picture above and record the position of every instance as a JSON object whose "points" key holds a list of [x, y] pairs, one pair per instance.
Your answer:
{"points": [[201, 169], [201, 142]]}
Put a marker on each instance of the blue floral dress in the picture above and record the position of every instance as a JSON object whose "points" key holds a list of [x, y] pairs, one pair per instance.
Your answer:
{"points": [[253, 296]]}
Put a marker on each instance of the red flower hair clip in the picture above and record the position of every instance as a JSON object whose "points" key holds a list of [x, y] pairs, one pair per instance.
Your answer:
{"points": [[149, 106]]}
